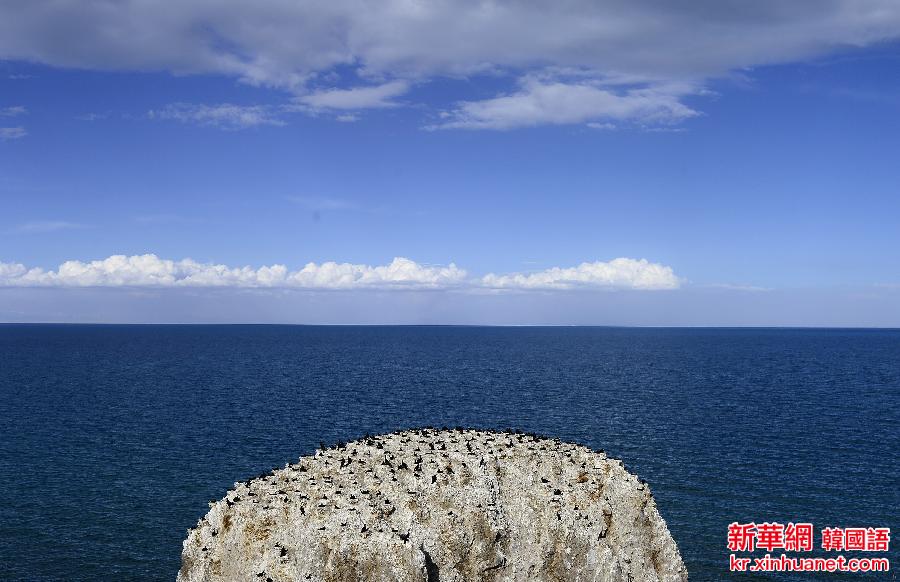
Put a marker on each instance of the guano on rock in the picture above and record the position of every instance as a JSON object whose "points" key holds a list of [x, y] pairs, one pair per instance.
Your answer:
{"points": [[438, 505]]}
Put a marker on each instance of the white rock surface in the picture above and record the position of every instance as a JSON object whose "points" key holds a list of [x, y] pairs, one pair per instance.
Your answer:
{"points": [[432, 505]]}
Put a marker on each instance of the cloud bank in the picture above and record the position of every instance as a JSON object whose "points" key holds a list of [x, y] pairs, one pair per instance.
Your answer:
{"points": [[598, 60], [401, 273], [151, 271], [617, 273]]}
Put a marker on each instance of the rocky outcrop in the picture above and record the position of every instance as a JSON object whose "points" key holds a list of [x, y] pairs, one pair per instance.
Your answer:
{"points": [[437, 505]]}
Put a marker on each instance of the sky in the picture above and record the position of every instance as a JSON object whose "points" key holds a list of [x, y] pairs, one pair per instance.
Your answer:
{"points": [[612, 162]]}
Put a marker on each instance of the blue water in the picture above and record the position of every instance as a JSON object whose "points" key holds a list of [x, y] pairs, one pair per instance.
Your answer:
{"points": [[115, 437]]}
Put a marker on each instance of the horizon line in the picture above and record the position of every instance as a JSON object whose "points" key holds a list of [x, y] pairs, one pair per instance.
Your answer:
{"points": [[474, 325]]}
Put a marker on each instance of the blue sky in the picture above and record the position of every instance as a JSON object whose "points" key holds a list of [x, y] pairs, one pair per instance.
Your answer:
{"points": [[740, 184]]}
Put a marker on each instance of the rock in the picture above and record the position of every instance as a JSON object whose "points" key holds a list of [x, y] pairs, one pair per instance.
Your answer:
{"points": [[437, 505]]}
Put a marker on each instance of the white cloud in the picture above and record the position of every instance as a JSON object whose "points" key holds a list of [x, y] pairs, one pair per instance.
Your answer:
{"points": [[621, 273], [14, 111], [541, 103], [151, 271], [401, 273], [12, 133], [11, 273], [388, 45], [375, 97], [222, 116]]}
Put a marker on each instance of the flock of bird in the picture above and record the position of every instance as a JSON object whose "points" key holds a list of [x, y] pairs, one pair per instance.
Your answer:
{"points": [[360, 486]]}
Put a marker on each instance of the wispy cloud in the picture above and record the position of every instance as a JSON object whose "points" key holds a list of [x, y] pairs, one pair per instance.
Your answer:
{"points": [[345, 103], [745, 288], [9, 133], [164, 218], [323, 203], [222, 116], [866, 95], [41, 226], [13, 111], [92, 116], [401, 273]]}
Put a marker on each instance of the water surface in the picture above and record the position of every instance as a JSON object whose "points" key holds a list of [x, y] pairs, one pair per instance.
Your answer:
{"points": [[115, 437]]}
